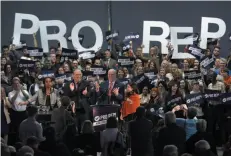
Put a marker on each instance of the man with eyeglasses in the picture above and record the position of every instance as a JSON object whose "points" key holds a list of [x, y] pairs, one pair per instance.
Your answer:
{"points": [[79, 92], [111, 91]]}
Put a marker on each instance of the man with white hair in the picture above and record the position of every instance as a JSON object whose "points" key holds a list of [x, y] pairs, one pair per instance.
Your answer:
{"points": [[79, 92], [202, 148], [171, 134], [111, 91], [170, 150]]}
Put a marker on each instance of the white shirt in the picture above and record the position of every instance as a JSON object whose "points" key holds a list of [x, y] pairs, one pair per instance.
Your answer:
{"points": [[20, 98]]}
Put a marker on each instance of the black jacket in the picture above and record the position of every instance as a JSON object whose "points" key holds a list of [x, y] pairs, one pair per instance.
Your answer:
{"points": [[81, 101], [190, 143], [140, 131], [171, 135], [103, 93]]}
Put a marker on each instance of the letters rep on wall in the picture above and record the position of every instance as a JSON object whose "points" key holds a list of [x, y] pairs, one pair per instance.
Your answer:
{"points": [[147, 37]]}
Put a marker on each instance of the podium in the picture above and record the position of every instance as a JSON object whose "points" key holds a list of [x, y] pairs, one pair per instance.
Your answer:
{"points": [[100, 114]]}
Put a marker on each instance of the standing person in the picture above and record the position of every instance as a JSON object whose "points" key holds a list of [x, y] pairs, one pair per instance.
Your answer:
{"points": [[111, 135], [112, 90], [30, 127], [78, 91], [141, 140], [171, 134], [131, 103], [5, 116], [108, 61], [18, 112], [47, 96]]}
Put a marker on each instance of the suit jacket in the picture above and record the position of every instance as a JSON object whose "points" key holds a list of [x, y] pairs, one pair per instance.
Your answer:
{"points": [[111, 64], [40, 98], [171, 135], [141, 138], [81, 101], [103, 97]]}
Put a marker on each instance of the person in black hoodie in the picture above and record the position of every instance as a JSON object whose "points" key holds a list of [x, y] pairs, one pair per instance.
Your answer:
{"points": [[141, 138]]}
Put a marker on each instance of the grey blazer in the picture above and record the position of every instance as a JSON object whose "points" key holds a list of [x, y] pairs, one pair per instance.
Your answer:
{"points": [[111, 63], [40, 98]]}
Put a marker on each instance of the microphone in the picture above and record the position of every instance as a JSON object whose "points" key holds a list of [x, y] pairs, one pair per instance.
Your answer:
{"points": [[99, 98]]}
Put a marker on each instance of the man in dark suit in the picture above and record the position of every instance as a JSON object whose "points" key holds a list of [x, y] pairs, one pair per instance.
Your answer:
{"points": [[171, 135], [108, 61], [78, 91], [111, 91], [140, 131]]}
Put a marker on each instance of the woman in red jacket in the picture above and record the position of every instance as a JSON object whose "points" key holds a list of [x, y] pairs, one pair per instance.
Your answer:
{"points": [[131, 102]]}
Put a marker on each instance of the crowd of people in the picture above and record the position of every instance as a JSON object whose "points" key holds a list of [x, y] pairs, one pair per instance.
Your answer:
{"points": [[154, 117]]}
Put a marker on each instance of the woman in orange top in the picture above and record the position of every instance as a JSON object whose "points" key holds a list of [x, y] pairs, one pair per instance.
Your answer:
{"points": [[132, 101]]}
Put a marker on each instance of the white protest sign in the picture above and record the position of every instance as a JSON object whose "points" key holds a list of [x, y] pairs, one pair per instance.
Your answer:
{"points": [[205, 21], [147, 37]]}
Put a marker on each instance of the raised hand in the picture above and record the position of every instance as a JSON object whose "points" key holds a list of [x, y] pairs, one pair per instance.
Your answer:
{"points": [[97, 86], [176, 108], [116, 91], [85, 91], [72, 86]]}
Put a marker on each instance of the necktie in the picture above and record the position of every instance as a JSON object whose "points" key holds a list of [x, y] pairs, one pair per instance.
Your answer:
{"points": [[110, 88]]}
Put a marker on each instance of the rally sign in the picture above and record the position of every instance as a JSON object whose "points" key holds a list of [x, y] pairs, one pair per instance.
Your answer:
{"points": [[101, 113], [194, 99], [87, 54], [192, 74], [131, 37], [46, 74], [207, 62], [196, 51], [26, 64], [150, 75], [213, 95], [98, 70], [226, 98], [68, 54], [125, 61], [111, 35]]}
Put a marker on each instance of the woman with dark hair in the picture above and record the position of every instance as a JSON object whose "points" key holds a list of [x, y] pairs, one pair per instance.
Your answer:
{"points": [[215, 110], [132, 101], [47, 96], [111, 135], [120, 73], [9, 72], [153, 106], [174, 100], [184, 88], [126, 73], [163, 91], [151, 67]]}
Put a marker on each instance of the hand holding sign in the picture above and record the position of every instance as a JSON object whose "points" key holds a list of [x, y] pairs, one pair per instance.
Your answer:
{"points": [[176, 108]]}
